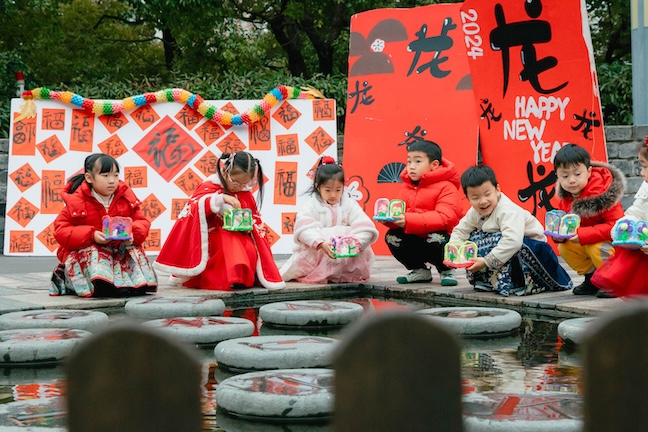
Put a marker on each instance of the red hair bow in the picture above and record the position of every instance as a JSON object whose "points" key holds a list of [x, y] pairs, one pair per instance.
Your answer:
{"points": [[329, 160], [646, 142]]}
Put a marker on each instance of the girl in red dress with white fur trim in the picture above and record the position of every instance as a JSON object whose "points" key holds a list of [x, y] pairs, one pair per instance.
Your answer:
{"points": [[201, 254]]}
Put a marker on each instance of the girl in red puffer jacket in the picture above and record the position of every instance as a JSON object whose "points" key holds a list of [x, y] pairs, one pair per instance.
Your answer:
{"points": [[91, 264]]}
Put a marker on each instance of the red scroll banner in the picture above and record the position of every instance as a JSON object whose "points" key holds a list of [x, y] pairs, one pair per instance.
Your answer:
{"points": [[408, 80], [535, 87]]}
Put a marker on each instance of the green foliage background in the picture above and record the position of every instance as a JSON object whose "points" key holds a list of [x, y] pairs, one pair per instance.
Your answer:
{"points": [[111, 49]]}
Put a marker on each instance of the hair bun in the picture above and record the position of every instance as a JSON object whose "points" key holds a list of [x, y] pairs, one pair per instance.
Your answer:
{"points": [[327, 160]]}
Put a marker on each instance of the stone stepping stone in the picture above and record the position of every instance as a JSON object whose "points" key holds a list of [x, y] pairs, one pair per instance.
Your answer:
{"points": [[53, 318], [573, 331], [527, 412], [204, 330], [478, 345], [570, 358], [310, 313], [269, 330], [476, 321], [281, 395], [170, 307], [275, 352], [235, 424], [37, 347]]}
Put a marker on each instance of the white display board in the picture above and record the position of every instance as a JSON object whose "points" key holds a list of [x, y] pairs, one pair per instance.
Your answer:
{"points": [[164, 150]]}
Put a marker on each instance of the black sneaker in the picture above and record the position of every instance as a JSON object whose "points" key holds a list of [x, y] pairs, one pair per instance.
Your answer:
{"points": [[587, 287]]}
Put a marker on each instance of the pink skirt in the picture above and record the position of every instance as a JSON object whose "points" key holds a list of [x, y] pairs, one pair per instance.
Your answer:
{"points": [[310, 265]]}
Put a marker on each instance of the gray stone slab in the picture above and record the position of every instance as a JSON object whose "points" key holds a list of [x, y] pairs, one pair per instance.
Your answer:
{"points": [[391, 375], [156, 307], [24, 347], [534, 300], [533, 411], [234, 424], [457, 293], [53, 318], [310, 313], [286, 394], [619, 133], [26, 264], [4, 291], [575, 330], [204, 330], [275, 352], [475, 321], [141, 381], [640, 132], [555, 301], [591, 305], [11, 305], [10, 282]]}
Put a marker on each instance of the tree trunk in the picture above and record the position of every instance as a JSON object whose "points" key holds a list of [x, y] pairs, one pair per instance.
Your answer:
{"points": [[170, 47], [323, 42], [287, 34]]}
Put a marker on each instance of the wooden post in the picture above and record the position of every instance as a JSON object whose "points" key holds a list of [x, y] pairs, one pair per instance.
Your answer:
{"points": [[133, 379], [615, 371], [398, 372]]}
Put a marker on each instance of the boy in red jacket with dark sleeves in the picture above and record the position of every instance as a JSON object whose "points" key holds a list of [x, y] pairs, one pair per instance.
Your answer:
{"points": [[592, 190], [431, 194]]}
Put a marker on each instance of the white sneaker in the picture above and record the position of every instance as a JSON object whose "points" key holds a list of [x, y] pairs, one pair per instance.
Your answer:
{"points": [[416, 275], [448, 278]]}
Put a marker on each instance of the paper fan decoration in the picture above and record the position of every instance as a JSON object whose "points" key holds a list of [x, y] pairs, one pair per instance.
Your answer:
{"points": [[390, 173]]}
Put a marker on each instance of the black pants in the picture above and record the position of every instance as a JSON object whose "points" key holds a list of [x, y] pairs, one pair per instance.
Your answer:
{"points": [[413, 251]]}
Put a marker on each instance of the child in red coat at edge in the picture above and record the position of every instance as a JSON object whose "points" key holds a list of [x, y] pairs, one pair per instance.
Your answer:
{"points": [[592, 190], [199, 253], [621, 275], [90, 264], [431, 194]]}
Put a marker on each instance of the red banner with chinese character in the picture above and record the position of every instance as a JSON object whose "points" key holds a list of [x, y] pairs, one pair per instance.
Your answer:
{"points": [[535, 89], [408, 81]]}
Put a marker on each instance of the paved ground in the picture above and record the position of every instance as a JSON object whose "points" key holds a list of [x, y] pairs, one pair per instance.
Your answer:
{"points": [[24, 285]]}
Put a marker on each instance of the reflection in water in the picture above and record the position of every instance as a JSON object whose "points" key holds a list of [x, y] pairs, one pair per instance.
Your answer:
{"points": [[529, 362], [33, 405], [519, 364]]}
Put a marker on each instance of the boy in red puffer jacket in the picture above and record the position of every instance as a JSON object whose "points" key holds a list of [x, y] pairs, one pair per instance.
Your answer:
{"points": [[431, 194], [91, 264], [593, 191]]}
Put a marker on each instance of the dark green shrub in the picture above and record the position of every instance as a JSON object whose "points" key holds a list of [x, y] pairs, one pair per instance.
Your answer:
{"points": [[615, 86]]}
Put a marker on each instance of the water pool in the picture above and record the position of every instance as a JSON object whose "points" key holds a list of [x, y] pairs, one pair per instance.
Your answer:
{"points": [[532, 360]]}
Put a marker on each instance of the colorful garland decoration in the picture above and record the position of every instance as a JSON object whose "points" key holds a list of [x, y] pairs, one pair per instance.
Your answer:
{"points": [[253, 115]]}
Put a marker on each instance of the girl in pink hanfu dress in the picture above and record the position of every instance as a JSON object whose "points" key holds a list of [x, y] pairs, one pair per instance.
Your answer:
{"points": [[90, 264], [200, 253], [330, 213], [621, 275]]}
